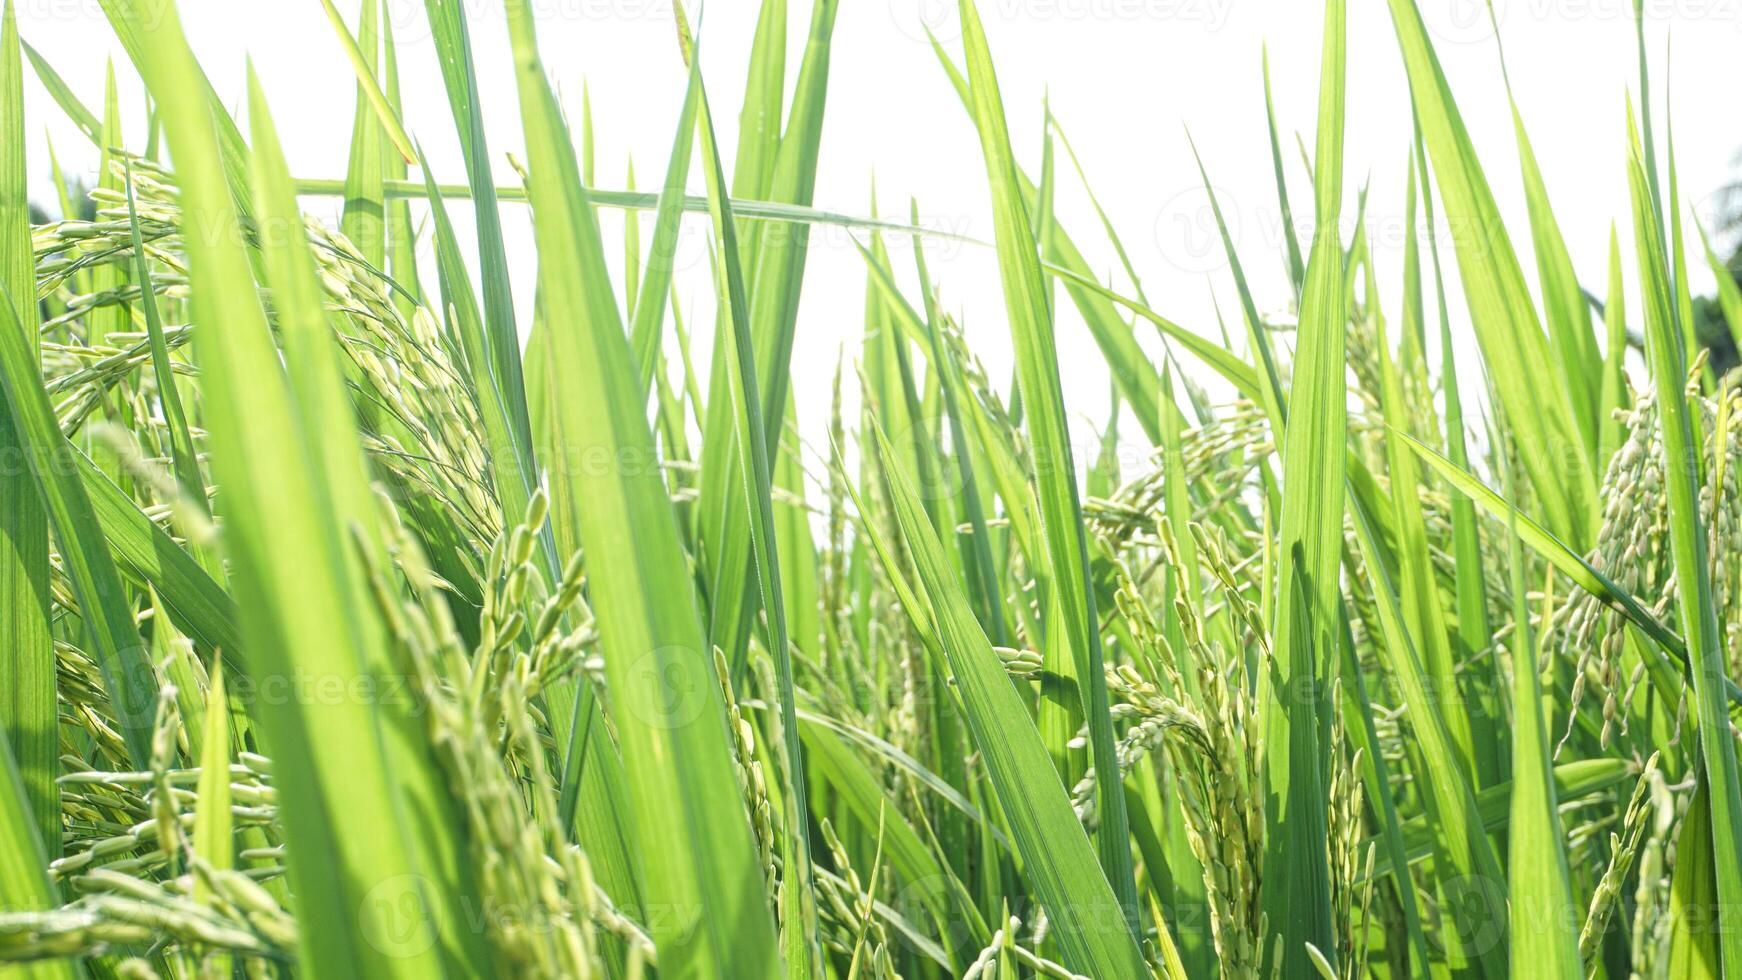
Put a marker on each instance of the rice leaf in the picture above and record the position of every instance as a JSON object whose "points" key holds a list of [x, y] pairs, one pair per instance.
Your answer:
{"points": [[1067, 555], [1729, 295], [401, 236], [30, 804], [1310, 545], [363, 50], [107, 618], [1473, 632], [134, 22], [1422, 612], [28, 706], [364, 218], [184, 456], [759, 117], [200, 606], [1573, 781], [977, 557], [1056, 854], [448, 31], [1696, 606], [1507, 327], [777, 271], [798, 900], [1568, 318], [1615, 395], [1377, 781], [648, 318], [1694, 942], [1130, 367], [1546, 544], [1543, 943], [1470, 876], [299, 613], [1275, 402], [63, 95], [1296, 267], [326, 420], [213, 837], [693, 836], [24, 884]]}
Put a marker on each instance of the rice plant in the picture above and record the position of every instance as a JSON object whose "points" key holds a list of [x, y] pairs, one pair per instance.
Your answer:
{"points": [[353, 630]]}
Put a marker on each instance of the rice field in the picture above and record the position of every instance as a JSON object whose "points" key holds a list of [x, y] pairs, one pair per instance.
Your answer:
{"points": [[359, 622]]}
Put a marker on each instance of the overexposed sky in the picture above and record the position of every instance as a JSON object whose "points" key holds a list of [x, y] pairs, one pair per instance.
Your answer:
{"points": [[1125, 78]]}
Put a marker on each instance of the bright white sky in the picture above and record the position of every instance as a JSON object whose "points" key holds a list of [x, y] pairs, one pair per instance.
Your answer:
{"points": [[1126, 78]]}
